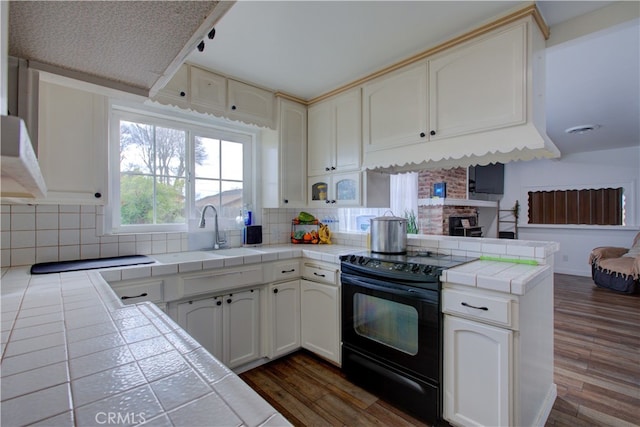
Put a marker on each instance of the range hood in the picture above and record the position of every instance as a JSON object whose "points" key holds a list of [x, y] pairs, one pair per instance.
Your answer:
{"points": [[21, 176]]}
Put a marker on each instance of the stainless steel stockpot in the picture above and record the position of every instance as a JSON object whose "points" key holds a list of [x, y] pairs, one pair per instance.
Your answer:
{"points": [[389, 235]]}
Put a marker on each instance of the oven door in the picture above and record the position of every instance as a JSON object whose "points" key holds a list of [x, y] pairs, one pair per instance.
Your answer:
{"points": [[394, 323]]}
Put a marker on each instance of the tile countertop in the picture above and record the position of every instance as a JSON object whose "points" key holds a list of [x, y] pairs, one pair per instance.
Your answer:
{"points": [[498, 276], [72, 355]]}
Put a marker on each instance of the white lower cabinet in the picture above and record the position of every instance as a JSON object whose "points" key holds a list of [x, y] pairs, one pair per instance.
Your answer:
{"points": [[228, 326], [320, 319], [284, 310], [498, 354], [477, 373]]}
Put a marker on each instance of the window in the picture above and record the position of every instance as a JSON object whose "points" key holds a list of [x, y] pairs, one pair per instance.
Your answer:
{"points": [[165, 170], [403, 202], [603, 206]]}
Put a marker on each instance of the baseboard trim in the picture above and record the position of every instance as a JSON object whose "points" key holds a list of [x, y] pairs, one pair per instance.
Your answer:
{"points": [[547, 405]]}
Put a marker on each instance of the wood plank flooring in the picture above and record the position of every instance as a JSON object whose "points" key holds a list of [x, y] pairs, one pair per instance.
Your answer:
{"points": [[597, 370], [597, 355]]}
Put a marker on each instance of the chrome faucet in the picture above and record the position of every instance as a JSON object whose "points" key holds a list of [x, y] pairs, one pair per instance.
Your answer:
{"points": [[217, 243]]}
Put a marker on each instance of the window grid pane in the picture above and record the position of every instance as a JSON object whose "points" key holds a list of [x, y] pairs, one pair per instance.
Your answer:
{"points": [[219, 178], [152, 174]]}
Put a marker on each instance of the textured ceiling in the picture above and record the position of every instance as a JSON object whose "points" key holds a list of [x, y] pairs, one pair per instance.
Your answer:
{"points": [[130, 42]]}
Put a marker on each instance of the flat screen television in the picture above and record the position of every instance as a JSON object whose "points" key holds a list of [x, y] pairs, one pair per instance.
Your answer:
{"points": [[487, 179]]}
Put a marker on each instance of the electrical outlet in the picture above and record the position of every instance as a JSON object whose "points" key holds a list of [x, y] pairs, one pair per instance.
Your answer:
{"points": [[565, 258]]}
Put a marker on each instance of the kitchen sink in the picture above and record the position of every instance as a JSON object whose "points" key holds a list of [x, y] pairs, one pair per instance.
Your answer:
{"points": [[186, 256]]}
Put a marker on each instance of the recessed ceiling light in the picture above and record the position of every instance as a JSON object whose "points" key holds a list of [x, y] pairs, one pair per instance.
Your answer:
{"points": [[581, 129]]}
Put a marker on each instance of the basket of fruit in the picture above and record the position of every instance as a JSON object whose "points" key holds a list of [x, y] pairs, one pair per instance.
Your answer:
{"points": [[304, 229]]}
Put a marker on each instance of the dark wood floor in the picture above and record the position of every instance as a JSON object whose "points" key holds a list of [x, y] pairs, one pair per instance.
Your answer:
{"points": [[597, 370]]}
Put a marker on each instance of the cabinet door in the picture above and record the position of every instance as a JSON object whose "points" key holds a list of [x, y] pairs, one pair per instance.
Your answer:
{"points": [[242, 327], [346, 189], [480, 86], [348, 131], [320, 193], [477, 373], [176, 91], [335, 134], [208, 91], [202, 319], [293, 154], [395, 109], [320, 319], [285, 317], [321, 139], [250, 103], [72, 144]]}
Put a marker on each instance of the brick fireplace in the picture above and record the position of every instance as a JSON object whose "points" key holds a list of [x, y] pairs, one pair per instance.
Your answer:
{"points": [[435, 219]]}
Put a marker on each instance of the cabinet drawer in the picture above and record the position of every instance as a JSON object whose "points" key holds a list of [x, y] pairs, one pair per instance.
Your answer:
{"points": [[148, 291], [491, 309], [223, 280], [320, 274], [283, 270]]}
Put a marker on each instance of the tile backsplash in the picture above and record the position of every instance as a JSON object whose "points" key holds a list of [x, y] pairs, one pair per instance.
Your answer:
{"points": [[47, 233], [32, 234]]}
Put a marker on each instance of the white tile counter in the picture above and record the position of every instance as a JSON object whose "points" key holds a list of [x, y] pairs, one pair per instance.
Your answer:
{"points": [[72, 355], [500, 276]]}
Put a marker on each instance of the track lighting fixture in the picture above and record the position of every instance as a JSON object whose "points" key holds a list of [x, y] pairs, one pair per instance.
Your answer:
{"points": [[212, 34], [201, 46]]}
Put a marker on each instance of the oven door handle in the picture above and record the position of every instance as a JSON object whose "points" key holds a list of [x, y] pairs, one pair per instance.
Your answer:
{"points": [[368, 284]]}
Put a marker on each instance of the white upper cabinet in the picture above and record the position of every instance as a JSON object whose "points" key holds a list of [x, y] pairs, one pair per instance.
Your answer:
{"points": [[395, 109], [293, 153], [177, 91], [208, 91], [476, 87], [340, 189], [335, 135], [72, 144], [479, 86], [284, 158], [250, 103], [482, 99], [321, 139]]}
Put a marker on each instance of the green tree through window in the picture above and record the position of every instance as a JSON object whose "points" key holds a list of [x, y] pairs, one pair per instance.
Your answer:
{"points": [[153, 174]]}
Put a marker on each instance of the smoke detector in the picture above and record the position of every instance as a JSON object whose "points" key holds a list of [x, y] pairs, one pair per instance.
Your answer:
{"points": [[579, 130]]}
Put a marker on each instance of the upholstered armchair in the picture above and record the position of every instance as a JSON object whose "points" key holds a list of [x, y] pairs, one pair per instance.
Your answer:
{"points": [[616, 268]]}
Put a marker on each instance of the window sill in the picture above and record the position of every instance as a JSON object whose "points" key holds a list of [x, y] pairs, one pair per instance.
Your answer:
{"points": [[582, 227]]}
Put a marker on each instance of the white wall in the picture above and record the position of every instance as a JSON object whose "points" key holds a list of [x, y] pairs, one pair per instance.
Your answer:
{"points": [[596, 169]]}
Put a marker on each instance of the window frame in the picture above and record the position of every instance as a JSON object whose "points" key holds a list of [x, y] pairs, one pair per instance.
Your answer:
{"points": [[195, 126]]}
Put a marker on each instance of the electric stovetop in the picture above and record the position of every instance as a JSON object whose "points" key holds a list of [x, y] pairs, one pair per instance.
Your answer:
{"points": [[413, 266], [422, 258]]}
